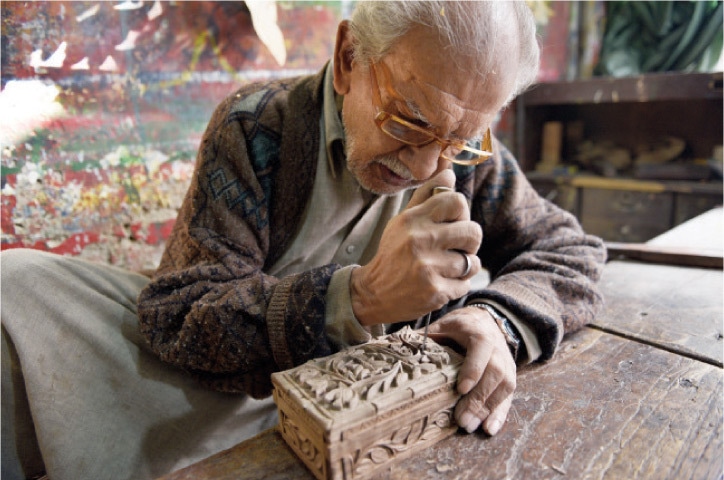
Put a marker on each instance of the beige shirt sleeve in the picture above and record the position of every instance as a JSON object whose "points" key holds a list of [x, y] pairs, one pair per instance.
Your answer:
{"points": [[343, 328]]}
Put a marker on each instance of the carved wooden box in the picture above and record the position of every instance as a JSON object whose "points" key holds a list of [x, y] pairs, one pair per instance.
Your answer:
{"points": [[353, 413]]}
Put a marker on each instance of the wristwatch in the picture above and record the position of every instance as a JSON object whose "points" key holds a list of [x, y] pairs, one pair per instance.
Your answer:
{"points": [[512, 337]]}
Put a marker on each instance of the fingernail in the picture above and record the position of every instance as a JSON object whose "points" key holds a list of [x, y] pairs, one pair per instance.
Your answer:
{"points": [[494, 427], [469, 422]]}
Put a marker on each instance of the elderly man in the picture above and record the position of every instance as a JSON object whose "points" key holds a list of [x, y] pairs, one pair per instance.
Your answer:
{"points": [[310, 225]]}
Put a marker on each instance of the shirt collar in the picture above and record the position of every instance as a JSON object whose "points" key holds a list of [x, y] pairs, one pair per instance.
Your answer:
{"points": [[332, 121]]}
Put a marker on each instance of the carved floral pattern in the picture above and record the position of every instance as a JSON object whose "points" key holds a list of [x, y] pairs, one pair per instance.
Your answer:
{"points": [[367, 371], [301, 444], [350, 414], [427, 429]]}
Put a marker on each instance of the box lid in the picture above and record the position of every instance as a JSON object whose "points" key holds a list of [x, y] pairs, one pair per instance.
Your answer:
{"points": [[368, 380]]}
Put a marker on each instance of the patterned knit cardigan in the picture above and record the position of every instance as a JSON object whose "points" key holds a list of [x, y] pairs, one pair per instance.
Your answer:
{"points": [[210, 308]]}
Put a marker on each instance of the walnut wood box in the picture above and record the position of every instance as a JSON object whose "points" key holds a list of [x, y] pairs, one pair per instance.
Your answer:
{"points": [[356, 412]]}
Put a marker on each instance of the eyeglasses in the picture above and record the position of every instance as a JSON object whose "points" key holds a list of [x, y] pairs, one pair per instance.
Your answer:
{"points": [[462, 152]]}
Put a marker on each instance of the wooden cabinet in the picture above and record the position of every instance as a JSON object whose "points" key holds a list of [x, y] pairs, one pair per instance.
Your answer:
{"points": [[625, 210], [627, 112]]}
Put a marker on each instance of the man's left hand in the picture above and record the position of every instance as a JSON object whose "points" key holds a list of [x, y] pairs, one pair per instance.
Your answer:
{"points": [[487, 376]]}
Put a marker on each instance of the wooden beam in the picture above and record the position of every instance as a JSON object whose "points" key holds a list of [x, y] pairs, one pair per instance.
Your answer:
{"points": [[682, 256]]}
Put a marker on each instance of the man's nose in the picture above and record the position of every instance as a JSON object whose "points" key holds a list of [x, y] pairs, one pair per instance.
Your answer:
{"points": [[424, 161]]}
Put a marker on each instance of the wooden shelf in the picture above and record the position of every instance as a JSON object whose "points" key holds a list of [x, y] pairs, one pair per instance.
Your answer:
{"points": [[627, 210], [642, 88], [628, 184], [627, 111]]}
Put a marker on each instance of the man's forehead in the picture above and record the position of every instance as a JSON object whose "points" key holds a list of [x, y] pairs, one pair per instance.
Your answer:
{"points": [[444, 92], [453, 106]]}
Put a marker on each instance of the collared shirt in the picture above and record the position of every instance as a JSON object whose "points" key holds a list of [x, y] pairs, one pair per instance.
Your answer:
{"points": [[342, 224]]}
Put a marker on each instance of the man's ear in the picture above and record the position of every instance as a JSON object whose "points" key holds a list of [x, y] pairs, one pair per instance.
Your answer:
{"points": [[343, 58]]}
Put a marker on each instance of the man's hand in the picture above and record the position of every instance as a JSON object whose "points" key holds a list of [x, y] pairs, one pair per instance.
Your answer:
{"points": [[487, 376], [419, 262]]}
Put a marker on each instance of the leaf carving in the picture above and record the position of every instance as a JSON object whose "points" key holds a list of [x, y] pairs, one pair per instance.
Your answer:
{"points": [[350, 367], [380, 454], [427, 367], [416, 429], [318, 386], [384, 383], [401, 435], [307, 373], [341, 397]]}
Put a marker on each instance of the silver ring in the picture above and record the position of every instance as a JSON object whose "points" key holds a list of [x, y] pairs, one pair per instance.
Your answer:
{"points": [[468, 264]]}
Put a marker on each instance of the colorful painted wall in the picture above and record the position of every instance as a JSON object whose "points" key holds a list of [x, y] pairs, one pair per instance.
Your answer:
{"points": [[103, 105]]}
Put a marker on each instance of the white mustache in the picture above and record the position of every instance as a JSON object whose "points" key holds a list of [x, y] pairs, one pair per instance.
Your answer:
{"points": [[397, 167]]}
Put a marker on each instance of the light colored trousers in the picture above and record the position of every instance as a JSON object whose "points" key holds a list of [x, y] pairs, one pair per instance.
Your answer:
{"points": [[78, 377]]}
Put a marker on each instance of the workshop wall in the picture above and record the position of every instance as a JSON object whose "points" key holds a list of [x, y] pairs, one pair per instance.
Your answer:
{"points": [[103, 105]]}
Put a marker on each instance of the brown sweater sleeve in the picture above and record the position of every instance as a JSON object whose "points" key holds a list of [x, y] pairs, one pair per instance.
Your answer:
{"points": [[544, 268], [210, 308]]}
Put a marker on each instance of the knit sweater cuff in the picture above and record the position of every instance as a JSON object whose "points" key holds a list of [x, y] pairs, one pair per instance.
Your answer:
{"points": [[276, 315]]}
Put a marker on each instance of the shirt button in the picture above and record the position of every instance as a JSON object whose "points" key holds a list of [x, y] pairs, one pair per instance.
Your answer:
{"points": [[350, 249]]}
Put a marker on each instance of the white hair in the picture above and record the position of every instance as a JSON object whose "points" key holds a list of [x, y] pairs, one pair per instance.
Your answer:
{"points": [[469, 29]]}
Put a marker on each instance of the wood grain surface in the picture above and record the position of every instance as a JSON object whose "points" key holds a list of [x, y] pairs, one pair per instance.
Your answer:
{"points": [[604, 407], [676, 308]]}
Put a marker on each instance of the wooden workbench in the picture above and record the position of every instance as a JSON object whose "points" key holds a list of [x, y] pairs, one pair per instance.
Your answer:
{"points": [[672, 307], [638, 394]]}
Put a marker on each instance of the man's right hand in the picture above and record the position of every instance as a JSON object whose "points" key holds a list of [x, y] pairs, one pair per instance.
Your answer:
{"points": [[419, 262]]}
